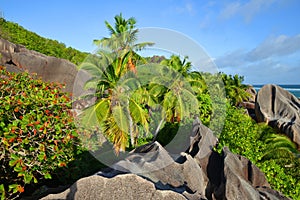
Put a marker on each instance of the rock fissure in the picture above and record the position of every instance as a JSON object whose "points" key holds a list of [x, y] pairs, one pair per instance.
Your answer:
{"points": [[205, 175]]}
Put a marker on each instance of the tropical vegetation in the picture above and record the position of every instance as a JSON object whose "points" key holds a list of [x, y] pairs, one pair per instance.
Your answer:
{"points": [[272, 152], [138, 100], [38, 136], [16, 34]]}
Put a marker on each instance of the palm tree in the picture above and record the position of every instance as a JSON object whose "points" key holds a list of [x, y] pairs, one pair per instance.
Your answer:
{"points": [[129, 96], [184, 87], [171, 98], [119, 111], [183, 67], [123, 37], [235, 90]]}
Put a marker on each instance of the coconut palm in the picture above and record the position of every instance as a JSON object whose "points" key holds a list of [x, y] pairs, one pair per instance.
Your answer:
{"points": [[181, 66], [123, 37], [113, 75], [118, 109], [177, 96], [235, 90]]}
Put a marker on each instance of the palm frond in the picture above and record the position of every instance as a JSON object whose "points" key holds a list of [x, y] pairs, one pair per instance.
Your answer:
{"points": [[110, 28], [139, 114]]}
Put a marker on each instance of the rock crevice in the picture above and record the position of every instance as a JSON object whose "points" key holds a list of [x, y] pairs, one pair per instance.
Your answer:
{"points": [[280, 109], [197, 173]]}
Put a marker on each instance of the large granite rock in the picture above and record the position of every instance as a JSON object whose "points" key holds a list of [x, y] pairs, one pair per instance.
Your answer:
{"points": [[16, 58], [280, 109], [128, 186], [151, 172]]}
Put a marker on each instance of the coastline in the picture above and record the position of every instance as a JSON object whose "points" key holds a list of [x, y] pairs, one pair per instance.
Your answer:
{"points": [[292, 88]]}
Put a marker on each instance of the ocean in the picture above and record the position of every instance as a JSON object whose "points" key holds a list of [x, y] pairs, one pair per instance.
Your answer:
{"points": [[294, 89]]}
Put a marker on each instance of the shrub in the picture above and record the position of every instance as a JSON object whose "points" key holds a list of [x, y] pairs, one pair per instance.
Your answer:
{"points": [[37, 132], [245, 137]]}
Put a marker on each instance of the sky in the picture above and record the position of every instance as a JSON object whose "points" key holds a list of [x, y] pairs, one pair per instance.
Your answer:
{"points": [[257, 39]]}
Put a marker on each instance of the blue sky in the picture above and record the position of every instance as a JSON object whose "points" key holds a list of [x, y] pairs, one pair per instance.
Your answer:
{"points": [[258, 39]]}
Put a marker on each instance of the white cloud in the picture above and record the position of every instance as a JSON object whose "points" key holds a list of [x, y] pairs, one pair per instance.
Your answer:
{"points": [[248, 10], [232, 59], [272, 48], [275, 46], [271, 71], [230, 10], [273, 61], [186, 8]]}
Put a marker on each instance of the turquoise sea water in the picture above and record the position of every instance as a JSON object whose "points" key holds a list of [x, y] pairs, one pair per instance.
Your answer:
{"points": [[294, 89]]}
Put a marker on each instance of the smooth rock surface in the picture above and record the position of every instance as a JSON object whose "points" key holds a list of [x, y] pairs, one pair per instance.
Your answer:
{"points": [[280, 109], [128, 186], [17, 59], [150, 172]]}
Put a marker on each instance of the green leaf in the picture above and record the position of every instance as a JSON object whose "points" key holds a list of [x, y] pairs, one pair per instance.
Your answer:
{"points": [[47, 176], [26, 141], [22, 173], [121, 118], [13, 188], [41, 156], [18, 168], [35, 180], [2, 192], [102, 109], [7, 107], [27, 178], [14, 156], [14, 160], [138, 114], [2, 124], [95, 114]]}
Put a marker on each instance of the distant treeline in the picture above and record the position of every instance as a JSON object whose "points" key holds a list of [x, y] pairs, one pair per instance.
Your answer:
{"points": [[19, 35]]}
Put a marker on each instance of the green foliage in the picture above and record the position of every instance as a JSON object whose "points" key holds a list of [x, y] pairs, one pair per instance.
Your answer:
{"points": [[272, 153], [235, 90], [123, 35], [18, 35], [38, 137], [37, 132]]}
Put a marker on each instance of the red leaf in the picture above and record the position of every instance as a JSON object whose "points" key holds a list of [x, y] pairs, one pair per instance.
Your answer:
{"points": [[20, 189], [62, 164], [19, 102], [11, 140]]}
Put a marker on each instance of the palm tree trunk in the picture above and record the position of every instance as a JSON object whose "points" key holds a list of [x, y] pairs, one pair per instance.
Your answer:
{"points": [[131, 131], [158, 128]]}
